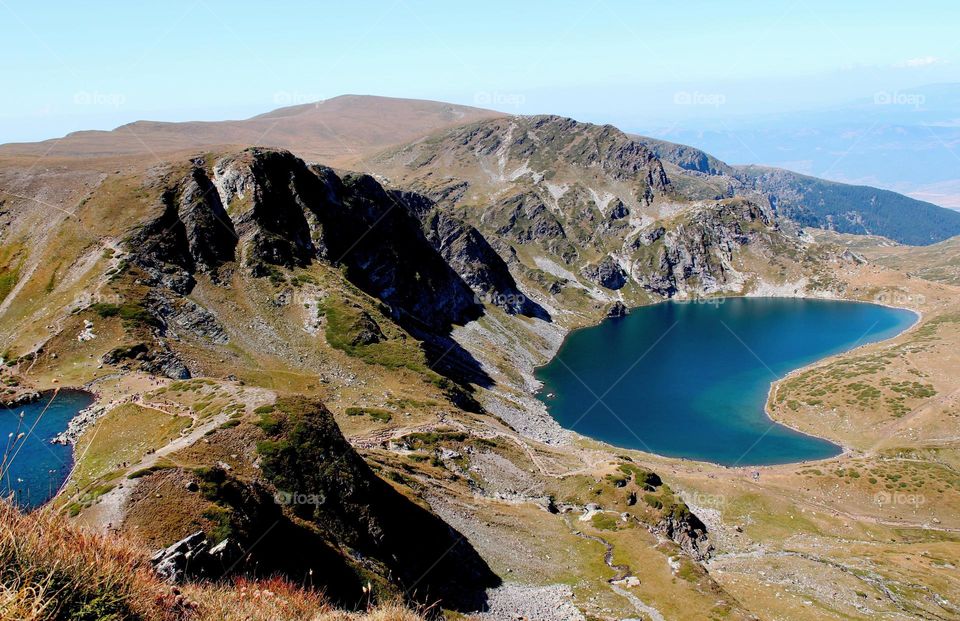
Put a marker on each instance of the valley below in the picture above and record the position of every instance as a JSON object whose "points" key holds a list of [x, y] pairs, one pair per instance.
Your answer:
{"points": [[336, 369]]}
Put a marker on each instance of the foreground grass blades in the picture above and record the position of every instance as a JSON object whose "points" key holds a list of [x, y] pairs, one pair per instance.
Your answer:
{"points": [[51, 570]]}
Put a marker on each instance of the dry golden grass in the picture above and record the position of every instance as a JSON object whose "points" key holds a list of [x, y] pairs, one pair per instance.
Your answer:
{"points": [[51, 570], [278, 600]]}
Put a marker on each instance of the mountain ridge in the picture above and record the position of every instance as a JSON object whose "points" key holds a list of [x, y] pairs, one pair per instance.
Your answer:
{"points": [[821, 203], [348, 130], [333, 130]]}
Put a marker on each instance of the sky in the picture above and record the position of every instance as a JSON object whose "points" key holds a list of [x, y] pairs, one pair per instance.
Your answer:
{"points": [[68, 66]]}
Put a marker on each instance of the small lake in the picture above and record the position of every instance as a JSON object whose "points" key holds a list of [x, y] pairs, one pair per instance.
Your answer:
{"points": [[690, 379], [36, 468]]}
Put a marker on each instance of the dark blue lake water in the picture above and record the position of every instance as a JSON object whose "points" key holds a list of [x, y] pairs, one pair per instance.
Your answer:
{"points": [[34, 468], [691, 379]]}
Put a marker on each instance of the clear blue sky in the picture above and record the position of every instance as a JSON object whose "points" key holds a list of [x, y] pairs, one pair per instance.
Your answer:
{"points": [[77, 65]]}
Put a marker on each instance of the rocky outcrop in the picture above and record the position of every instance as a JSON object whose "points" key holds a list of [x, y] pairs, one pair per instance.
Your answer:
{"points": [[365, 330], [263, 208], [183, 315], [155, 358], [192, 234], [607, 273], [524, 218], [617, 309], [696, 254], [388, 256], [131, 352], [14, 397], [648, 236], [210, 234], [687, 531], [266, 193], [195, 557], [616, 210], [161, 250], [164, 362]]}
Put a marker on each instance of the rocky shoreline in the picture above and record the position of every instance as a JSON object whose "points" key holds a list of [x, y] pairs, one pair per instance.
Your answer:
{"points": [[79, 424], [19, 398]]}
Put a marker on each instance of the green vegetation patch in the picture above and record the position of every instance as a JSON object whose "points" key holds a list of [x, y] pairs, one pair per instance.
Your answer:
{"points": [[643, 477], [604, 521], [432, 439], [123, 436], [356, 331], [377, 414], [130, 312]]}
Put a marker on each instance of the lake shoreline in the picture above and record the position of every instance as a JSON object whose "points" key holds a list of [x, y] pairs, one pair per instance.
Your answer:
{"points": [[775, 386], [39, 423], [843, 449]]}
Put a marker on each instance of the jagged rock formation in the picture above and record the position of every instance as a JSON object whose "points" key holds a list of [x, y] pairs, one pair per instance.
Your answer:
{"points": [[688, 532], [281, 212], [699, 250], [589, 205], [194, 557], [617, 309], [470, 254], [607, 273]]}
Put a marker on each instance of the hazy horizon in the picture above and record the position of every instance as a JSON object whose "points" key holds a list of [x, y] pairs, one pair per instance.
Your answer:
{"points": [[628, 65]]}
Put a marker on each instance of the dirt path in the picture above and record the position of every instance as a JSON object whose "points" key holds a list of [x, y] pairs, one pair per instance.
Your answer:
{"points": [[622, 571], [907, 421], [107, 513], [861, 517]]}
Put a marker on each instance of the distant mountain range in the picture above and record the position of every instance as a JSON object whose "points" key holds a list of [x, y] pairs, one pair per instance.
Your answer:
{"points": [[347, 131], [809, 201], [907, 141]]}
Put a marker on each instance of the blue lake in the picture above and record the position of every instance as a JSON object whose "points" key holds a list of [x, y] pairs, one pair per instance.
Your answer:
{"points": [[691, 379], [34, 468]]}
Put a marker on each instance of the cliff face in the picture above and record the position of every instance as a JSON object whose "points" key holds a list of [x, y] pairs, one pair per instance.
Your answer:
{"points": [[470, 254], [264, 208], [696, 255], [575, 209]]}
